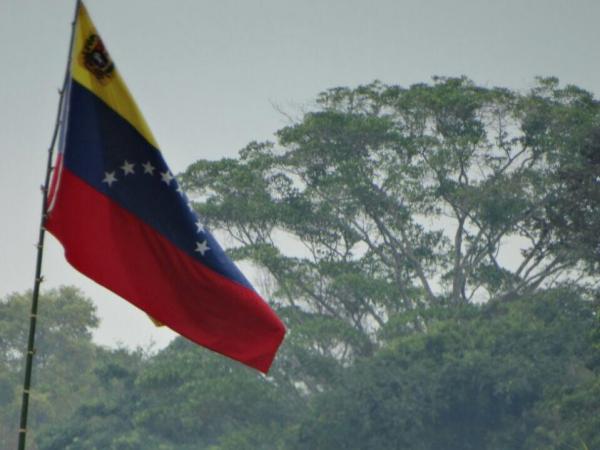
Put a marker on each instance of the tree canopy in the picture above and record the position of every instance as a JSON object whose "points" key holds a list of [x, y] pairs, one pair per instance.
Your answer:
{"points": [[408, 198]]}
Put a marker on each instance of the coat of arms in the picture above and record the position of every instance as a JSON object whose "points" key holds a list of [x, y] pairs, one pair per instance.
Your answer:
{"points": [[95, 58]]}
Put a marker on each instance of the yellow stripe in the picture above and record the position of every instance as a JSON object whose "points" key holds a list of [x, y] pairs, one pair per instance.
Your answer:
{"points": [[93, 68]]}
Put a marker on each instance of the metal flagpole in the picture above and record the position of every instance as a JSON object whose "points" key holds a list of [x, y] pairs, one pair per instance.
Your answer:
{"points": [[40, 246]]}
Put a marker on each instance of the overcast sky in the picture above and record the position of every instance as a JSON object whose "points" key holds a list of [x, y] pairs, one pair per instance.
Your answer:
{"points": [[207, 74]]}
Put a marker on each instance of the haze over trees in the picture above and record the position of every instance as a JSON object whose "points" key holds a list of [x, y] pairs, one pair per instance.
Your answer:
{"points": [[434, 253]]}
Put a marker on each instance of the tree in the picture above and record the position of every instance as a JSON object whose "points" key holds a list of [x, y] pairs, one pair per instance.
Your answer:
{"points": [[481, 377], [569, 117], [62, 364], [401, 199], [183, 397], [569, 416], [195, 399], [105, 419]]}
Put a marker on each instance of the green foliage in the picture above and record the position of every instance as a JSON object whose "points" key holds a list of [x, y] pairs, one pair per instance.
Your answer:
{"points": [[571, 413], [104, 420], [478, 378], [195, 399], [404, 198], [64, 352]]}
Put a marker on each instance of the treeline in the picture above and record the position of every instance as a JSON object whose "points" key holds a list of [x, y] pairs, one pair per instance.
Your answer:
{"points": [[433, 252], [524, 374]]}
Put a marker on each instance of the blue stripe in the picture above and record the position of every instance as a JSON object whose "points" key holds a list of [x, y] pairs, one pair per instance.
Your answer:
{"points": [[99, 141]]}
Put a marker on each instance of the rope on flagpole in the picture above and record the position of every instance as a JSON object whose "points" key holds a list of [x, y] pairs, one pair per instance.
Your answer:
{"points": [[40, 247]]}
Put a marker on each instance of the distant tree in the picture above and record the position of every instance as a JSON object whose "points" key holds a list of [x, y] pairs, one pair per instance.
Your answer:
{"points": [[105, 419], [482, 377], [62, 364], [181, 398], [573, 205], [403, 199], [569, 416]]}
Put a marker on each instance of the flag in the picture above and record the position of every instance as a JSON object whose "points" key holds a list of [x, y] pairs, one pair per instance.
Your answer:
{"points": [[124, 221]]}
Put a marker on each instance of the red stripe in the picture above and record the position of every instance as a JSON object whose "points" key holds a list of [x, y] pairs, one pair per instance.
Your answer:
{"points": [[114, 248]]}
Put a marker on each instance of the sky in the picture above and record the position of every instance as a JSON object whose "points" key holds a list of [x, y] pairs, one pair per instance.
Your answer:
{"points": [[212, 76]]}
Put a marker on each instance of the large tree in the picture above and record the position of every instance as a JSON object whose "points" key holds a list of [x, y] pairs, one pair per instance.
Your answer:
{"points": [[385, 200]]}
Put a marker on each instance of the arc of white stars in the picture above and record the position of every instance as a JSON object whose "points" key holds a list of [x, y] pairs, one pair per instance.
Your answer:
{"points": [[127, 168], [166, 177], [109, 178], [202, 247], [148, 168]]}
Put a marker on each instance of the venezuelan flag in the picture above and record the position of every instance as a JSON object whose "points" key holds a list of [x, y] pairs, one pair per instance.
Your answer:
{"points": [[124, 221]]}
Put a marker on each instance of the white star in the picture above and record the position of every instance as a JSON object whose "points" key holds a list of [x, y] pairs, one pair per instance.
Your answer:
{"points": [[148, 168], [202, 247], [199, 226], [109, 178], [127, 168], [180, 190], [166, 177], [190, 207]]}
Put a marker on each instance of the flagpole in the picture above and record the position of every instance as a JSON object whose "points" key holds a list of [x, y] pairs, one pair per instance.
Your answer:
{"points": [[40, 246]]}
